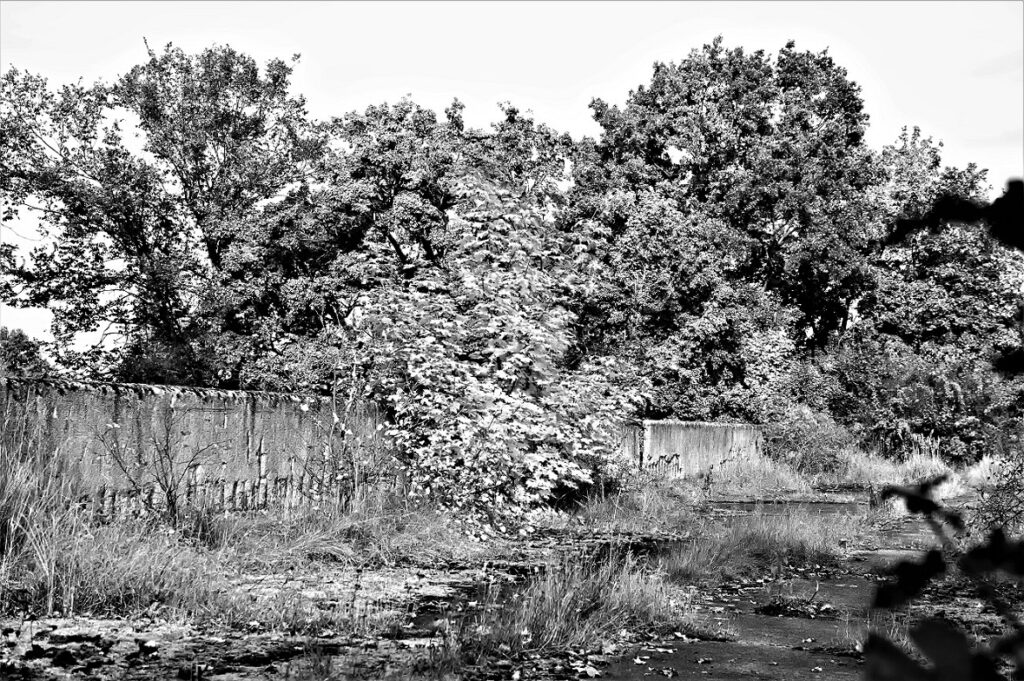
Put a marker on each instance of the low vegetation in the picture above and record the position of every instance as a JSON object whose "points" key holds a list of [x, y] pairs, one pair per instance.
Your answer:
{"points": [[59, 557], [393, 534], [580, 603], [759, 543]]}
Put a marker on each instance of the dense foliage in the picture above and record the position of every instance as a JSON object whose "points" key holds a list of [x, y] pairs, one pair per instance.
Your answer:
{"points": [[724, 250], [21, 356]]}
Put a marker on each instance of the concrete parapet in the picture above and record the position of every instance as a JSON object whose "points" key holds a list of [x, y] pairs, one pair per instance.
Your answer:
{"points": [[235, 449]]}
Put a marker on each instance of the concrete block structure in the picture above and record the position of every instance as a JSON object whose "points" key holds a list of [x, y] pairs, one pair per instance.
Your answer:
{"points": [[691, 448]]}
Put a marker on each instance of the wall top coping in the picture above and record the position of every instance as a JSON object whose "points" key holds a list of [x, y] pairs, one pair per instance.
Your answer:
{"points": [[702, 424], [142, 389]]}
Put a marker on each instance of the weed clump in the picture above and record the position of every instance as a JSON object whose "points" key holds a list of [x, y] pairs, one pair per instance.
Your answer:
{"points": [[578, 602], [55, 556], [759, 543]]}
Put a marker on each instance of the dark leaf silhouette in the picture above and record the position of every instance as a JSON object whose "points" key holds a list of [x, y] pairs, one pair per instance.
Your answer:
{"points": [[1005, 216], [911, 579], [917, 497], [950, 652], [886, 662], [997, 553], [946, 646]]}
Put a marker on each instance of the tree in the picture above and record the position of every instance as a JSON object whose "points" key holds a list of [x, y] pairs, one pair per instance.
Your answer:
{"points": [[376, 213], [772, 149], [469, 358], [20, 356], [135, 238], [944, 302], [727, 205], [955, 285]]}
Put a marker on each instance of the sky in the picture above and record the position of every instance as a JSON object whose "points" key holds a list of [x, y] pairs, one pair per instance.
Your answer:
{"points": [[955, 69]]}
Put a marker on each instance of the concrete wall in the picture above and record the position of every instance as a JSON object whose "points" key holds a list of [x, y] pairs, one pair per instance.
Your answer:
{"points": [[245, 449], [690, 448], [234, 449]]}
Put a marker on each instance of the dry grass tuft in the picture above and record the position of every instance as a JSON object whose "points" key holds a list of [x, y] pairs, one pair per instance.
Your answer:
{"points": [[763, 541], [387, 536], [640, 508], [57, 557], [758, 478], [54, 557], [858, 468], [576, 603]]}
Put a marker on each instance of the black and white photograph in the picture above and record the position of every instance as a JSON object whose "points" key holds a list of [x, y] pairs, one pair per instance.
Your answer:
{"points": [[511, 340]]}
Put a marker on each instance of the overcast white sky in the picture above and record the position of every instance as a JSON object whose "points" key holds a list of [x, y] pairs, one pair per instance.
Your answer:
{"points": [[956, 69]]}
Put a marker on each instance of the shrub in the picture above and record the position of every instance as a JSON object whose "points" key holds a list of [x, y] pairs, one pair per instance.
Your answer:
{"points": [[1002, 502], [810, 442]]}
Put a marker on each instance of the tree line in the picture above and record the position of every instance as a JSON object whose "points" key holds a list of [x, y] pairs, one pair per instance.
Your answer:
{"points": [[728, 248]]}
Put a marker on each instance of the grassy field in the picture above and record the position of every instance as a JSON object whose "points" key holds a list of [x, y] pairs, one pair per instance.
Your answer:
{"points": [[58, 559]]}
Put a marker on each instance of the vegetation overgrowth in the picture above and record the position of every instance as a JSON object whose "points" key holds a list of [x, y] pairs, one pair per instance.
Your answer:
{"points": [[58, 555], [729, 247], [60, 558], [760, 543], [576, 603]]}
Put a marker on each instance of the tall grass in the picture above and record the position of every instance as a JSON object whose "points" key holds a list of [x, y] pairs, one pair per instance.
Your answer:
{"points": [[33, 483], [55, 557], [757, 477], [645, 505], [752, 545], [578, 602], [857, 467], [112, 570]]}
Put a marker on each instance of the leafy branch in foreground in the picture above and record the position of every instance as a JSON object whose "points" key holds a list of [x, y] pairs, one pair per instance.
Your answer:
{"points": [[940, 641]]}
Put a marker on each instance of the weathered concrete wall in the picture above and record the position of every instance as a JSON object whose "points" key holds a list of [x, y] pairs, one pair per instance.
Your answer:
{"points": [[632, 445], [235, 449], [691, 448]]}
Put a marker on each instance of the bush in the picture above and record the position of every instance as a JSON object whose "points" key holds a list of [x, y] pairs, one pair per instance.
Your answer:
{"points": [[1002, 502], [897, 400], [810, 442]]}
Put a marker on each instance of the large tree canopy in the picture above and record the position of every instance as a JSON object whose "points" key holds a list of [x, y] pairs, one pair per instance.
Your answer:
{"points": [[134, 236], [770, 150]]}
